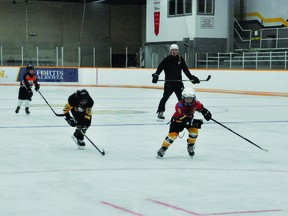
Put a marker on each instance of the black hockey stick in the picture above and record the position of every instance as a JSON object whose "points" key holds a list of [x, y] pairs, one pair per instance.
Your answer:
{"points": [[239, 135], [50, 106], [207, 79], [102, 152]]}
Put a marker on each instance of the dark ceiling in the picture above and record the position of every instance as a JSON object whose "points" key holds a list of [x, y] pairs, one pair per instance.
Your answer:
{"points": [[134, 2]]}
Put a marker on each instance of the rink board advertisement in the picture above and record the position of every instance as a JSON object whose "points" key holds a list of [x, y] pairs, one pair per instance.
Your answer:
{"points": [[8, 74], [53, 74]]}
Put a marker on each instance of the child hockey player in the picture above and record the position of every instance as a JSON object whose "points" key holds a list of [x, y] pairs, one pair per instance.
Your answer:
{"points": [[184, 118], [25, 90], [80, 105]]}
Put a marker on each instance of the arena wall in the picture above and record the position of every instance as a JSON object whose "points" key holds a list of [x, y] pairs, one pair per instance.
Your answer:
{"points": [[258, 82]]}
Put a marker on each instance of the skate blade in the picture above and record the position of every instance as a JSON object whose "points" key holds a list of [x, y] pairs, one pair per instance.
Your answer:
{"points": [[160, 120], [81, 147], [75, 140], [159, 157]]}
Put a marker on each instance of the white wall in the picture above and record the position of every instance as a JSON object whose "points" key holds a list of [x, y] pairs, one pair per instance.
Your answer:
{"points": [[274, 82], [8, 74], [171, 29], [227, 80], [268, 9], [220, 28], [177, 28]]}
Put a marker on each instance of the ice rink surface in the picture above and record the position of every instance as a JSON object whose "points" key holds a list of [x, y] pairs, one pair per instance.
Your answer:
{"points": [[42, 173]]}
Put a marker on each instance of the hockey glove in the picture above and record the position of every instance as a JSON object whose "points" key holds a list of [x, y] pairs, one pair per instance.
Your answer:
{"points": [[37, 87], [187, 120], [195, 80], [82, 128], [155, 78], [176, 120], [206, 113], [71, 121], [197, 123], [29, 93]]}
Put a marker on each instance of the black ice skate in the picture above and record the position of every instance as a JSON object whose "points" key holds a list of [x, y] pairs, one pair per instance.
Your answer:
{"points": [[27, 110], [160, 117], [190, 149], [80, 143], [17, 109], [161, 152]]}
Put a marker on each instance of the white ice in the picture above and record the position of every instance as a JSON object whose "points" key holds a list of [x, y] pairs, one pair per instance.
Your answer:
{"points": [[42, 173]]}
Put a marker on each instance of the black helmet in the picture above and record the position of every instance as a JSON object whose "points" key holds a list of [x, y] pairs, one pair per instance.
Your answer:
{"points": [[82, 95], [29, 67]]}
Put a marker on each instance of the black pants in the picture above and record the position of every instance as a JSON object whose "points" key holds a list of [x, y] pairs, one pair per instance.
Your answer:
{"points": [[169, 88], [81, 122], [23, 94], [80, 118]]}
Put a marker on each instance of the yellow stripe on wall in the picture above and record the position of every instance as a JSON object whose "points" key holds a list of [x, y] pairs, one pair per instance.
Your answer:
{"points": [[267, 20]]}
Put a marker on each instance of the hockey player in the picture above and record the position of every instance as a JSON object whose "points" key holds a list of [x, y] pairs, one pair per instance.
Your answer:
{"points": [[80, 105], [172, 65], [184, 118], [25, 91]]}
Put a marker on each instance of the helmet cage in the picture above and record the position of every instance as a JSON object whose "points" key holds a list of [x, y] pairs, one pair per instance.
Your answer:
{"points": [[188, 100], [174, 49], [188, 96], [30, 68], [82, 96]]}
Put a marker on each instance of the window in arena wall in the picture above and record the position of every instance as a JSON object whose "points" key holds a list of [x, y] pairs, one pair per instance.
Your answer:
{"points": [[179, 8], [205, 7]]}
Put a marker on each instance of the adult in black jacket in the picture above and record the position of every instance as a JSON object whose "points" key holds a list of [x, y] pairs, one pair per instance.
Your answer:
{"points": [[173, 65]]}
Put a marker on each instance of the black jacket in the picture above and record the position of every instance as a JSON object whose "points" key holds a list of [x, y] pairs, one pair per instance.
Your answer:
{"points": [[173, 66], [82, 114]]}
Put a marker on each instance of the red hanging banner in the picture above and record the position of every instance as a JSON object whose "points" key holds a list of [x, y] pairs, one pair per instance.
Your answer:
{"points": [[156, 16]]}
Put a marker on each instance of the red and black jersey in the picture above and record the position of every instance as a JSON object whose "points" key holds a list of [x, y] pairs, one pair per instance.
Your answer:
{"points": [[186, 110], [29, 80]]}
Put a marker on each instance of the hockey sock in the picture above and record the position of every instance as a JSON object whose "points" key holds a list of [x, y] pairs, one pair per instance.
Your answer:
{"points": [[20, 102], [27, 103], [193, 134], [169, 139]]}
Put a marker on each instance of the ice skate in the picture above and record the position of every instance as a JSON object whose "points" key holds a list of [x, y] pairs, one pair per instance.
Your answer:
{"points": [[81, 144], [17, 109], [160, 117], [190, 149], [161, 152], [27, 111]]}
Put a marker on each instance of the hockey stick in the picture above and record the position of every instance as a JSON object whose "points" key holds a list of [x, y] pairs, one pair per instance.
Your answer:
{"points": [[207, 79], [239, 135], [60, 115], [102, 152]]}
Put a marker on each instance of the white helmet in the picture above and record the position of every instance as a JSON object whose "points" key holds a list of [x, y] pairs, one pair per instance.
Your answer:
{"points": [[188, 96], [174, 46]]}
